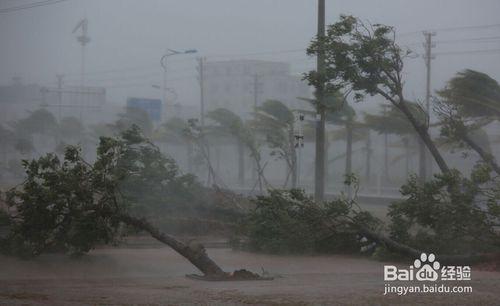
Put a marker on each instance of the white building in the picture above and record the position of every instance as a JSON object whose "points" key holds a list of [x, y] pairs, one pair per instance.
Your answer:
{"points": [[241, 85]]}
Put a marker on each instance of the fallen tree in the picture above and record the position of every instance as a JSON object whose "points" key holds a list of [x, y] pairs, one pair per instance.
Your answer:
{"points": [[71, 205], [408, 251], [428, 220], [196, 254]]}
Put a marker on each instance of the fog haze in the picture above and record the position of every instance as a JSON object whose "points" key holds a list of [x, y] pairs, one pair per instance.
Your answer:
{"points": [[128, 38]]}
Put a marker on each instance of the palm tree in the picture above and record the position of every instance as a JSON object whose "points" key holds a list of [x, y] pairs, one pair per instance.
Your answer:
{"points": [[228, 123], [470, 101], [275, 121], [352, 131]]}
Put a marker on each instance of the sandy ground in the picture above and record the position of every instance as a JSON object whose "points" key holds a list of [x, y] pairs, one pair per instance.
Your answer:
{"points": [[155, 276]]}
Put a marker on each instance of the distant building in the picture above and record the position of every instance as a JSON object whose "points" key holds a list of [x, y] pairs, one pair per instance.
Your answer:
{"points": [[82, 102], [243, 84]]}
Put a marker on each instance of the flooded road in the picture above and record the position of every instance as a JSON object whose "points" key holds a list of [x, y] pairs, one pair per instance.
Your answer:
{"points": [[155, 276]]}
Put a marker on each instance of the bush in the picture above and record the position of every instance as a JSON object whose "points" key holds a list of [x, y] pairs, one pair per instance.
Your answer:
{"points": [[449, 214], [290, 221]]}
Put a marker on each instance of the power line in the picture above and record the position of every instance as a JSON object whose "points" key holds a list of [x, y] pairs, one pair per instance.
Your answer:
{"points": [[478, 39], [468, 52], [486, 26], [30, 5], [450, 29], [461, 40]]}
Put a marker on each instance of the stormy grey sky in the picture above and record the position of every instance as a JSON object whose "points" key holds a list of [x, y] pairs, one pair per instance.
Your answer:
{"points": [[129, 37]]}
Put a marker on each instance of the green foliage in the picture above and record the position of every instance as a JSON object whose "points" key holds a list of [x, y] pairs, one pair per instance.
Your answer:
{"points": [[358, 56], [151, 183], [393, 121], [290, 221], [71, 205], [275, 121], [230, 124], [450, 214], [473, 93], [470, 101], [62, 205]]}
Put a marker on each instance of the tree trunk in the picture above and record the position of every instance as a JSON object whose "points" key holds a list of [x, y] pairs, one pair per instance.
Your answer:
{"points": [[403, 249], [485, 156], [423, 132], [196, 255]]}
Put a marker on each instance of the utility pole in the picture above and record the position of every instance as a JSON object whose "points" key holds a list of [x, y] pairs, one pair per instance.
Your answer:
{"points": [[319, 173], [428, 45], [59, 93], [201, 79], [163, 63]]}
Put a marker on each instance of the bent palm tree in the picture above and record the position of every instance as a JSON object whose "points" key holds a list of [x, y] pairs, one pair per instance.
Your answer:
{"points": [[275, 121], [228, 123]]}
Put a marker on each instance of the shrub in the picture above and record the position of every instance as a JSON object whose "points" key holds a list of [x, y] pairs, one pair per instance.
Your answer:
{"points": [[290, 221], [449, 214]]}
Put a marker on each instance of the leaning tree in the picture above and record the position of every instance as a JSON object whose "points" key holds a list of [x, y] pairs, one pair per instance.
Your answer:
{"points": [[71, 205], [275, 121], [469, 101], [226, 122], [365, 59]]}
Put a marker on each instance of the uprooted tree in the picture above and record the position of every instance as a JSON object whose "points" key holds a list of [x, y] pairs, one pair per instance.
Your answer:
{"points": [[71, 205]]}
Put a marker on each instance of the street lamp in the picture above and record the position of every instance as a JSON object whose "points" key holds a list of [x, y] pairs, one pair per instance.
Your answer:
{"points": [[163, 63]]}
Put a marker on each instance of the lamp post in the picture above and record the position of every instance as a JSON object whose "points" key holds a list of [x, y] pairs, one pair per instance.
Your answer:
{"points": [[163, 63]]}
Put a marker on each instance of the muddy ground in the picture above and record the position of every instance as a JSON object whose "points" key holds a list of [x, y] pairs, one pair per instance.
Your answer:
{"points": [[155, 276]]}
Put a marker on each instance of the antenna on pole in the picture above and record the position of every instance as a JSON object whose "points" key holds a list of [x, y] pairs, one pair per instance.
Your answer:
{"points": [[83, 39]]}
